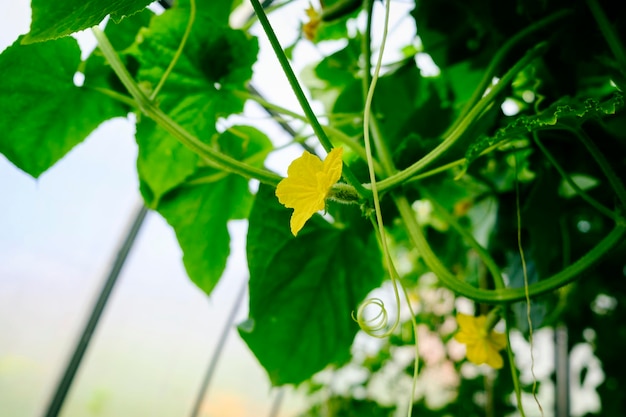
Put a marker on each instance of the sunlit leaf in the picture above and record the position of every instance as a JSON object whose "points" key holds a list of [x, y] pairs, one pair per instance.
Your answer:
{"points": [[52, 20], [44, 114]]}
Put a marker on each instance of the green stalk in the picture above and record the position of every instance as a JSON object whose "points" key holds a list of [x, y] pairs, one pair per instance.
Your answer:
{"points": [[147, 107], [504, 295], [304, 103], [366, 45], [122, 98], [402, 176]]}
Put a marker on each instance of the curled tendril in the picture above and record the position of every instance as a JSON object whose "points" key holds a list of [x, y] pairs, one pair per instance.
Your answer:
{"points": [[378, 325]]}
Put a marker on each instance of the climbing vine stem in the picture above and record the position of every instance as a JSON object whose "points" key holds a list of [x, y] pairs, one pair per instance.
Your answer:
{"points": [[504, 295]]}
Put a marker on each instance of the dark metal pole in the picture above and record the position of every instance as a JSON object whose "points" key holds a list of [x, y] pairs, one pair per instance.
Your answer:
{"points": [[561, 360], [65, 382], [219, 348], [277, 403]]}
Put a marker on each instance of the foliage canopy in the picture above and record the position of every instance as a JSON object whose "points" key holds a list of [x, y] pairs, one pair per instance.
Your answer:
{"points": [[501, 176]]}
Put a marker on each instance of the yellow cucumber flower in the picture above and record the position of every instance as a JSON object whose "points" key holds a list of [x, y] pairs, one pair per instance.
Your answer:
{"points": [[307, 185], [483, 345]]}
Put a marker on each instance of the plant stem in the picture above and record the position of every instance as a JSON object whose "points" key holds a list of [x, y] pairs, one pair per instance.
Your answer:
{"points": [[366, 48], [147, 107], [402, 176], [505, 295], [301, 97], [122, 98]]}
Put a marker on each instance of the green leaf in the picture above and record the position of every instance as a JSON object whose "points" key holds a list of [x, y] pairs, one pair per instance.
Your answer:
{"points": [[199, 215], [452, 32], [124, 34], [216, 61], [44, 114], [584, 182], [303, 290], [200, 210], [52, 20], [217, 10]]}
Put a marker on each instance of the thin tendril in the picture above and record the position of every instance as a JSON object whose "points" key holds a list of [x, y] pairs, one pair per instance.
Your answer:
{"points": [[370, 165], [516, 385], [380, 323], [179, 51], [417, 353], [379, 219], [525, 273]]}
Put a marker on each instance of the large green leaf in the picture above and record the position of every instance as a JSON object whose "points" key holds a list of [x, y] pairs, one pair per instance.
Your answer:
{"points": [[44, 114], [52, 20], [199, 211], [303, 290], [216, 60]]}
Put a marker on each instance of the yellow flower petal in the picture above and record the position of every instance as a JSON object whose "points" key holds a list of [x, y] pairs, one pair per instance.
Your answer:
{"points": [[307, 184], [477, 352], [466, 323], [332, 167], [480, 346], [466, 337], [494, 360], [498, 340]]}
